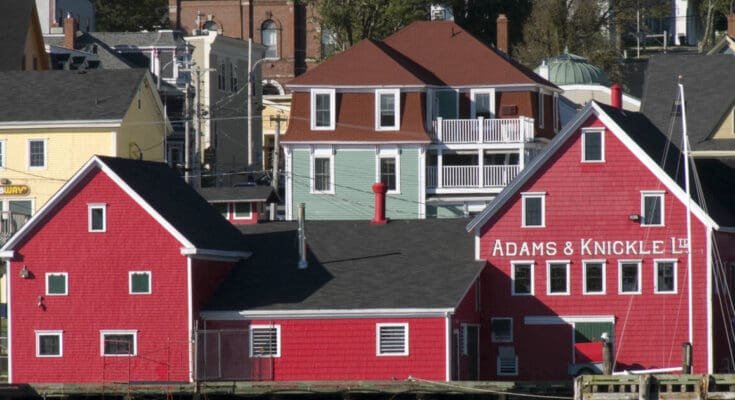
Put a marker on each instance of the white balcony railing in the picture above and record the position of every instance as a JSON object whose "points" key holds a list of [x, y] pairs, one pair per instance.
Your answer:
{"points": [[482, 130], [467, 176]]}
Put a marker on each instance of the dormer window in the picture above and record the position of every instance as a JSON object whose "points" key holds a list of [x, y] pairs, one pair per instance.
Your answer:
{"points": [[97, 215], [387, 109], [322, 109]]}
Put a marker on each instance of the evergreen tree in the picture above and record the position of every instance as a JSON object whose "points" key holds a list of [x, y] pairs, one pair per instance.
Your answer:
{"points": [[131, 15]]}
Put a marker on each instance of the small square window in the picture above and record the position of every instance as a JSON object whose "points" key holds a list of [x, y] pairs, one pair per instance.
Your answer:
{"points": [[652, 209], [242, 210], [119, 343], [557, 278], [502, 329], [665, 278], [522, 278], [630, 277], [265, 341], [56, 284], [49, 344], [593, 146], [140, 282], [594, 277], [533, 210], [97, 217], [392, 339]]}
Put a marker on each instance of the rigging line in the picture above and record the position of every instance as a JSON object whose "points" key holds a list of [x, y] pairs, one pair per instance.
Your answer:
{"points": [[622, 332]]}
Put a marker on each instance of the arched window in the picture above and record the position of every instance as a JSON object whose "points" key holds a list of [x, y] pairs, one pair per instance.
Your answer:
{"points": [[270, 90], [269, 37]]}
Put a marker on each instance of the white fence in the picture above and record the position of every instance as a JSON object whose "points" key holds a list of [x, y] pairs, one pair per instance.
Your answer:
{"points": [[467, 176]]}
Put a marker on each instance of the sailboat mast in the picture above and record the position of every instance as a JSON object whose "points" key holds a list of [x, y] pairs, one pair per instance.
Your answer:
{"points": [[685, 148]]}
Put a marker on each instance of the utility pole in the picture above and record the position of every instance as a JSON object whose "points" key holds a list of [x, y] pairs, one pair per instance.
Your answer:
{"points": [[198, 123], [276, 161], [187, 146], [250, 102]]}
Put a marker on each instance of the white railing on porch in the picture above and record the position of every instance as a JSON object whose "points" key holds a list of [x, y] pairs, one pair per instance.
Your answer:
{"points": [[467, 176], [482, 130]]}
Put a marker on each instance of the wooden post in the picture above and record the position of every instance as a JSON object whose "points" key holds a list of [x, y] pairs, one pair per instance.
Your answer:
{"points": [[607, 357], [643, 384], [686, 358]]}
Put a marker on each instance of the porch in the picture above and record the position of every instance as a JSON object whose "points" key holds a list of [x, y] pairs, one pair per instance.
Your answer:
{"points": [[463, 170], [482, 130]]}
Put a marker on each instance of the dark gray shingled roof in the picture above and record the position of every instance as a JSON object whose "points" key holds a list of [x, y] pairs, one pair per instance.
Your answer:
{"points": [[162, 38], [709, 90], [245, 193], [68, 95], [178, 203], [352, 265], [13, 31]]}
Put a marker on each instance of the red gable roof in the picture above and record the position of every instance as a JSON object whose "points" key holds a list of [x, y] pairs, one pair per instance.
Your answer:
{"points": [[457, 58]]}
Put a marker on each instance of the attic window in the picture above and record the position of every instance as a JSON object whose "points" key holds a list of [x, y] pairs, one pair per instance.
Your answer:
{"points": [[97, 215]]}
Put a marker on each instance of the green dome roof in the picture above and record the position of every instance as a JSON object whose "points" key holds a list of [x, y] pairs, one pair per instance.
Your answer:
{"points": [[570, 69]]}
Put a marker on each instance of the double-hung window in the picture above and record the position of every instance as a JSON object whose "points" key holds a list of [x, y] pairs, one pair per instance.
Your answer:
{"points": [[119, 343], [140, 282], [483, 103], [387, 109], [629, 277], [36, 153], [665, 276], [652, 208], [533, 210], [221, 77], [557, 273], [322, 174], [502, 329], [593, 272], [49, 344], [593, 145], [265, 341], [323, 109], [57, 283], [522, 278], [97, 217], [3, 153], [391, 339]]}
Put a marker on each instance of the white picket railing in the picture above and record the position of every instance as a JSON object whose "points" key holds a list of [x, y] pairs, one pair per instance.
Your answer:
{"points": [[500, 175], [481, 130], [467, 176]]}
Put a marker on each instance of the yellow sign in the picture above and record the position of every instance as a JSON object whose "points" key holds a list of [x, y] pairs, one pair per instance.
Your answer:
{"points": [[14, 189]]}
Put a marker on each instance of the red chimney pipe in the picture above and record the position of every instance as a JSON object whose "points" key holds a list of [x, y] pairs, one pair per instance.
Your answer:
{"points": [[502, 33], [616, 96], [379, 188], [70, 32], [731, 25]]}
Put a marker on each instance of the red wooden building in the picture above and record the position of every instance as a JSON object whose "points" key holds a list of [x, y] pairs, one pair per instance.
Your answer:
{"points": [[106, 281], [241, 205], [589, 243]]}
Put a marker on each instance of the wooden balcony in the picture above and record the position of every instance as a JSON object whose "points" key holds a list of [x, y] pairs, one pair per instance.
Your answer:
{"points": [[482, 130], [468, 176]]}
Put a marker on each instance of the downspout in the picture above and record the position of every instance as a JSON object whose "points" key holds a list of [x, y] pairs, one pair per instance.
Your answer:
{"points": [[448, 346]]}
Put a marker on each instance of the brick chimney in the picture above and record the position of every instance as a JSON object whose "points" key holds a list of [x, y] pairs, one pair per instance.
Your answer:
{"points": [[616, 96], [70, 32], [379, 188], [731, 25], [502, 33]]}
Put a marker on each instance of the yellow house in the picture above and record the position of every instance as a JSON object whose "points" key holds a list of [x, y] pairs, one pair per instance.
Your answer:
{"points": [[22, 41], [52, 122], [275, 108]]}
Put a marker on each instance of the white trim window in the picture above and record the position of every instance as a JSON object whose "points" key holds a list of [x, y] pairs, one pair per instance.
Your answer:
{"points": [[323, 109], [541, 109], [49, 343], [593, 277], [97, 217], [533, 213], [269, 38], [242, 210], [322, 171], [629, 277], [388, 169], [521, 278], [501, 329], [593, 145], [387, 109], [265, 341], [57, 283], [222, 77], [555, 112], [482, 103], [118, 343], [3, 153], [37, 154], [140, 282], [665, 276], [652, 208], [557, 278], [391, 339]]}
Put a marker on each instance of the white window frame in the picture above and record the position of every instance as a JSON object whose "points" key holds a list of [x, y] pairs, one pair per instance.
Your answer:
{"points": [[321, 153], [548, 277], [555, 112], [513, 265], [653, 193], [66, 283], [474, 93], [540, 109], [655, 275], [389, 153], [130, 282], [405, 338], [585, 131], [59, 334], [4, 153], [96, 206], [584, 277], [396, 109], [332, 109], [530, 195], [278, 340], [106, 332], [620, 276], [45, 154], [234, 210], [496, 339]]}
